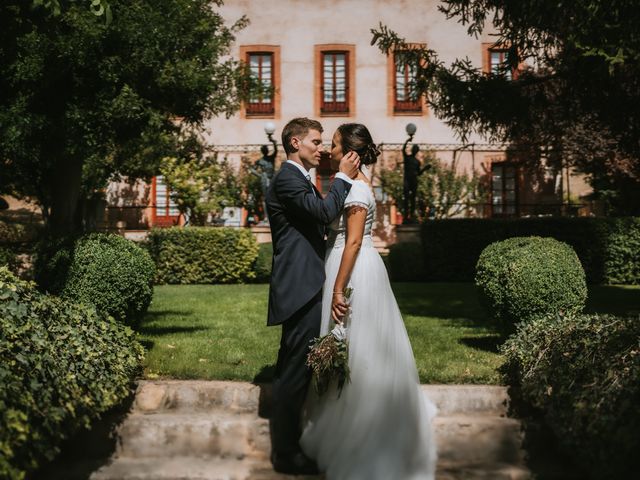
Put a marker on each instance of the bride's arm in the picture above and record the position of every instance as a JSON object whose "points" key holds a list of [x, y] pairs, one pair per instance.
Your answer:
{"points": [[356, 217]]}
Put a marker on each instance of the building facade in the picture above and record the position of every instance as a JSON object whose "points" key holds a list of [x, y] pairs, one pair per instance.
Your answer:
{"points": [[318, 58]]}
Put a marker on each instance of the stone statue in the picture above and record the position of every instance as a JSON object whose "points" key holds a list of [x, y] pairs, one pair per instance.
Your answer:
{"points": [[412, 170], [265, 169]]}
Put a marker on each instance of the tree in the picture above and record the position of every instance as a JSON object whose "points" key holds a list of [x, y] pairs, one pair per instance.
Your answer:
{"points": [[252, 198], [443, 191], [83, 102], [201, 187], [97, 7], [575, 100]]}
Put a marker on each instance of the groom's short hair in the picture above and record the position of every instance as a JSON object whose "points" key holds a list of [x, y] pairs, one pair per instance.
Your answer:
{"points": [[298, 127]]}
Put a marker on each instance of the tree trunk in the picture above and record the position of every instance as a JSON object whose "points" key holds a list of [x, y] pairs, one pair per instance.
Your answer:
{"points": [[65, 195]]}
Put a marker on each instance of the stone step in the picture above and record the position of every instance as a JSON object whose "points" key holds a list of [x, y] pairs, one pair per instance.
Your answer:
{"points": [[212, 468], [459, 438], [215, 468], [482, 471], [205, 433], [175, 468], [473, 439], [155, 396]]}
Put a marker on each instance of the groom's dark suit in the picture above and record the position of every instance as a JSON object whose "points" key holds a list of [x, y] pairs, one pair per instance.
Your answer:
{"points": [[297, 215]]}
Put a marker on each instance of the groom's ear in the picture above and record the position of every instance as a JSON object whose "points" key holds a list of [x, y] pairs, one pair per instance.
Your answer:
{"points": [[295, 143]]}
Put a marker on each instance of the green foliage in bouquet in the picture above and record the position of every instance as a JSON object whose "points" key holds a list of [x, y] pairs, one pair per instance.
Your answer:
{"points": [[329, 357]]}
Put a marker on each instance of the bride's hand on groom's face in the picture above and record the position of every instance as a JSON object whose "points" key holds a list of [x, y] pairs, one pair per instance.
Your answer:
{"points": [[339, 307], [349, 164]]}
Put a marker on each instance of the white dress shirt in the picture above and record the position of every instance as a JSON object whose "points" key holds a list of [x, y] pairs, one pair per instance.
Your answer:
{"points": [[304, 172]]}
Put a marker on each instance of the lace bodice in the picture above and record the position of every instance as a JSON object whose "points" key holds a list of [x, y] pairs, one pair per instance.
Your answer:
{"points": [[361, 195]]}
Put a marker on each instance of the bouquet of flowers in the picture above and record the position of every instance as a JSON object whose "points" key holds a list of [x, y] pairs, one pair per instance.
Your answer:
{"points": [[328, 356]]}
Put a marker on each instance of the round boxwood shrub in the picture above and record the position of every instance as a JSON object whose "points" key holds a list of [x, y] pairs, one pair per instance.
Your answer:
{"points": [[527, 277], [580, 375], [62, 364], [405, 262], [111, 273]]}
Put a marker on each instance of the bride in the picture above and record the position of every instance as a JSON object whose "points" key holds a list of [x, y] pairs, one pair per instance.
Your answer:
{"points": [[379, 427]]}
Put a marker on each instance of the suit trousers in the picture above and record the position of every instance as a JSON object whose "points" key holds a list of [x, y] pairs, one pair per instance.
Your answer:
{"points": [[292, 377]]}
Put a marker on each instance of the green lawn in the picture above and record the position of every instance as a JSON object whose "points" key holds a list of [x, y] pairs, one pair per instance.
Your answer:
{"points": [[219, 331]]}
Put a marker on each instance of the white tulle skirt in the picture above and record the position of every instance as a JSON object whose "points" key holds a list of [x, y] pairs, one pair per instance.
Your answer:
{"points": [[379, 428]]}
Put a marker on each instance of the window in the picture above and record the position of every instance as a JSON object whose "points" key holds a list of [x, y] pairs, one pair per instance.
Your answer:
{"points": [[402, 97], [165, 210], [264, 64], [261, 67], [405, 98], [335, 85], [504, 189], [335, 80], [495, 61]]}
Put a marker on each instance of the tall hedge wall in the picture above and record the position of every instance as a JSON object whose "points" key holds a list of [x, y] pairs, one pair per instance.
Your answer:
{"points": [[203, 255], [608, 248]]}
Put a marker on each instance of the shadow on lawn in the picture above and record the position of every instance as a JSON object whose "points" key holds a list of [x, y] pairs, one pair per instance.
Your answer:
{"points": [[155, 330], [490, 343], [150, 316], [440, 300]]}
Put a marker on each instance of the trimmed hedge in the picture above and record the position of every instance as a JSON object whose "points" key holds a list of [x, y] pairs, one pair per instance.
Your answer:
{"points": [[104, 270], [62, 364], [608, 248], [264, 262], [526, 277], [405, 262], [203, 255], [581, 375]]}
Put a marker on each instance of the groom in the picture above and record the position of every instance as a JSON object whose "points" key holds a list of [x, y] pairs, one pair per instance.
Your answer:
{"points": [[298, 215]]}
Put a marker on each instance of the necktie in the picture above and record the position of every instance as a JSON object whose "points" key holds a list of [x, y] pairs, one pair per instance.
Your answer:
{"points": [[312, 189]]}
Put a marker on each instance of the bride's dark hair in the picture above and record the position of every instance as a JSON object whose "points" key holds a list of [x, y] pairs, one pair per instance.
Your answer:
{"points": [[356, 137]]}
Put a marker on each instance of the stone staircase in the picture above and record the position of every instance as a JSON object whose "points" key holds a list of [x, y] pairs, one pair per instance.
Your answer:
{"points": [[211, 430]]}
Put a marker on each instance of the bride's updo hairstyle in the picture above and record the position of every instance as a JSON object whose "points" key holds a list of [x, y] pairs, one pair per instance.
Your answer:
{"points": [[356, 137]]}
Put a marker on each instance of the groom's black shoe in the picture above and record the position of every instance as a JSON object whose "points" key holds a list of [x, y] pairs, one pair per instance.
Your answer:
{"points": [[294, 464]]}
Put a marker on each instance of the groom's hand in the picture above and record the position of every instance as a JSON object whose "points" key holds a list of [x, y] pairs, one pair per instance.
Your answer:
{"points": [[349, 164], [339, 307]]}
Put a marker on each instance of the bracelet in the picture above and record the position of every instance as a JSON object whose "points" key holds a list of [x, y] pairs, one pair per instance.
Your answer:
{"points": [[341, 293]]}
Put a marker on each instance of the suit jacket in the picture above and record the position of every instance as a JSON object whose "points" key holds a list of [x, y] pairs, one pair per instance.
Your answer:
{"points": [[298, 215]]}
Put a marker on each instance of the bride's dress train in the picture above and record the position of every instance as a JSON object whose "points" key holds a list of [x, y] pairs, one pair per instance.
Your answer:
{"points": [[380, 425]]}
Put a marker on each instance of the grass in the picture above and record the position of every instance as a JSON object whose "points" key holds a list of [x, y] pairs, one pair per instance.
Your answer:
{"points": [[219, 331]]}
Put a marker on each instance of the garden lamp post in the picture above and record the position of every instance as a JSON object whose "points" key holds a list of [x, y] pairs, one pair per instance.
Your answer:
{"points": [[269, 129], [411, 129]]}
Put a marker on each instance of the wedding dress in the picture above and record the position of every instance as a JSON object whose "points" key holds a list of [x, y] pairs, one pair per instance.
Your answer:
{"points": [[379, 427]]}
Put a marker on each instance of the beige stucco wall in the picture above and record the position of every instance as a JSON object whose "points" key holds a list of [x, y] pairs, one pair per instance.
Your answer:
{"points": [[297, 25]]}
